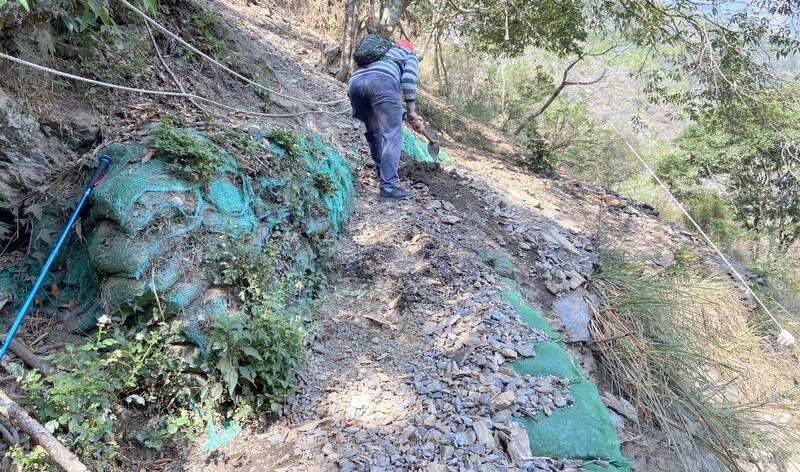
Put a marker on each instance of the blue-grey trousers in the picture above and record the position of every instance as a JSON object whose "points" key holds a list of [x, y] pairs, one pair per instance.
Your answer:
{"points": [[376, 101]]}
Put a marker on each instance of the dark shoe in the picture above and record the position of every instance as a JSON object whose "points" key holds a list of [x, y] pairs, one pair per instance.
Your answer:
{"points": [[395, 194]]}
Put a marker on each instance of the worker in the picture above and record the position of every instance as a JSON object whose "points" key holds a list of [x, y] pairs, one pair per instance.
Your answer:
{"points": [[385, 77]]}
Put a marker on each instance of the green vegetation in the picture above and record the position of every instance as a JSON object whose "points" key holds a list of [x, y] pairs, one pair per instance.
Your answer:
{"points": [[248, 368], [680, 345], [288, 140], [193, 156], [241, 143], [204, 33], [81, 405], [325, 184], [755, 144], [256, 359], [80, 16]]}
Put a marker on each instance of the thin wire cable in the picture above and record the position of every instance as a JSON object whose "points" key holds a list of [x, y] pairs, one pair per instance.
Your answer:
{"points": [[219, 64], [689, 217], [163, 93]]}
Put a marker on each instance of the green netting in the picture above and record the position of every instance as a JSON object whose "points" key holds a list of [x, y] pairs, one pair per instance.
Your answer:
{"points": [[218, 437], [199, 314], [530, 317], [149, 231], [550, 359], [417, 148], [580, 431]]}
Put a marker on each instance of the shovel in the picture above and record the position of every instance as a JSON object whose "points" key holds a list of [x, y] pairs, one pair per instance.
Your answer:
{"points": [[433, 146]]}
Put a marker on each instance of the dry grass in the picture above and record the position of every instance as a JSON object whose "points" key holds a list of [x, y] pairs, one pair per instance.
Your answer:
{"points": [[686, 352]]}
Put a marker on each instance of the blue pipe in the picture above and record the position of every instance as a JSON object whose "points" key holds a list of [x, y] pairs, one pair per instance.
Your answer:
{"points": [[103, 163]]}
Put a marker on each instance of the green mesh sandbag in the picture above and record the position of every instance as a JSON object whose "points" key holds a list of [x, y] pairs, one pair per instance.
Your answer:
{"points": [[416, 148], [579, 431], [152, 233], [134, 192], [582, 430]]}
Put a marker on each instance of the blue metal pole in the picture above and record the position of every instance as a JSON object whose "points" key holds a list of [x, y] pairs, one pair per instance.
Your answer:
{"points": [[102, 166]]}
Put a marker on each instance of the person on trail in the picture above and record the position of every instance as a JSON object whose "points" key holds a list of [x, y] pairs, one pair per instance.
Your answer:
{"points": [[386, 76]]}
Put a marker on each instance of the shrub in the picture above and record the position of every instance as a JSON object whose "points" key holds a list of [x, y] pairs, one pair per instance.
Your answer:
{"points": [[79, 405], [193, 156], [254, 358], [254, 355], [715, 216]]}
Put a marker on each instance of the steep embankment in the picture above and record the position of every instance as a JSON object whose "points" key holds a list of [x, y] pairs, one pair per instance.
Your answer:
{"points": [[431, 351]]}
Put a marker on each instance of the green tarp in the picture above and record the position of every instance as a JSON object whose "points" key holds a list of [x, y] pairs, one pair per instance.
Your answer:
{"points": [[582, 430]]}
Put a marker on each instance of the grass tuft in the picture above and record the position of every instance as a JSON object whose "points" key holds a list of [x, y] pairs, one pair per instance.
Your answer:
{"points": [[682, 347]]}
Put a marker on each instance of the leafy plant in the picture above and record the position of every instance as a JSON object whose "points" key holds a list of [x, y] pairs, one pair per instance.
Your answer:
{"points": [[80, 404], [34, 460], [163, 429], [325, 184], [242, 143], [254, 355], [193, 155], [204, 33], [288, 140], [255, 358]]}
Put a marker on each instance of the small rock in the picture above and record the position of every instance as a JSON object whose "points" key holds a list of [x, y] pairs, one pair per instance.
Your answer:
{"points": [[448, 206], [381, 460], [665, 259], [509, 353], [631, 210], [428, 328], [621, 406], [525, 350], [559, 400], [503, 401], [434, 467], [450, 219], [517, 445], [484, 433], [575, 314], [575, 279]]}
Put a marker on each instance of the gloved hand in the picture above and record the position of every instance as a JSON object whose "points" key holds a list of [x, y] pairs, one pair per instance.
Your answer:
{"points": [[415, 120]]}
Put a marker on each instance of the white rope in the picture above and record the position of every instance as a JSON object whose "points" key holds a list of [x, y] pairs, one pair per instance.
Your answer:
{"points": [[785, 337], [219, 64], [162, 93]]}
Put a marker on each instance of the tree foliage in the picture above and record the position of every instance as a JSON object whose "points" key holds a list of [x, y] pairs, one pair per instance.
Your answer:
{"points": [[756, 144]]}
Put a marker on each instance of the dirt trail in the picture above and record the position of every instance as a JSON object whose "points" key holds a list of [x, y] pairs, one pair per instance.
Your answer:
{"points": [[407, 365]]}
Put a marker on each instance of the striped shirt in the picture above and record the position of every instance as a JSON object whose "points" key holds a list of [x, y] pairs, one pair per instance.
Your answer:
{"points": [[402, 66]]}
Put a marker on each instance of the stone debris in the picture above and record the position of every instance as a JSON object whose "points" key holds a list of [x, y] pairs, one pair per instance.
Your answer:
{"points": [[518, 447], [575, 314], [450, 219], [621, 406], [435, 392]]}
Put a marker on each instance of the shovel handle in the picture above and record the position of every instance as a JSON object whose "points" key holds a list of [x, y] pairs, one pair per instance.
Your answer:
{"points": [[429, 137]]}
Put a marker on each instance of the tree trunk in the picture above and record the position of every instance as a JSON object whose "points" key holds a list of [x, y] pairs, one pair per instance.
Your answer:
{"points": [[348, 40]]}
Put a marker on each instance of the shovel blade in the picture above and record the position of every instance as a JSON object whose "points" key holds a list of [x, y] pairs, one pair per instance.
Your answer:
{"points": [[433, 149]]}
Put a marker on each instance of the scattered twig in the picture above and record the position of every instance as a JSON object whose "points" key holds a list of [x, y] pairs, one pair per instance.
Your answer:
{"points": [[379, 321], [9, 432], [32, 360], [60, 454]]}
